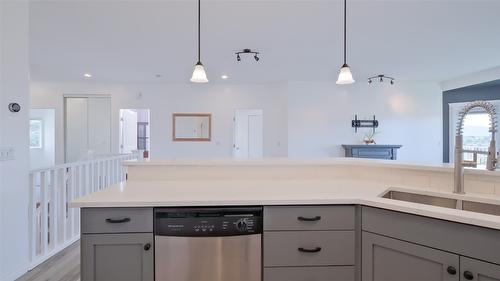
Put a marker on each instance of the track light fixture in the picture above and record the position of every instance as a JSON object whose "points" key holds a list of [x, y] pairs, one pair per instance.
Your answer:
{"points": [[381, 78], [247, 51]]}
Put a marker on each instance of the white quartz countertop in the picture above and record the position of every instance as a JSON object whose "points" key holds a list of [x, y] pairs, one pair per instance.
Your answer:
{"points": [[274, 192], [334, 161]]}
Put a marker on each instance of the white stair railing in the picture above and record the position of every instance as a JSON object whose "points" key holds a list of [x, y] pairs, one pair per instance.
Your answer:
{"points": [[52, 224]]}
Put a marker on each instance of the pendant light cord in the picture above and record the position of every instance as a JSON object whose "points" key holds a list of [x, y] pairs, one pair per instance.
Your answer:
{"points": [[199, 27], [345, 31]]}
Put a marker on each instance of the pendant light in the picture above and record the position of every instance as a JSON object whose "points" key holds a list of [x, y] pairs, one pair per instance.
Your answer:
{"points": [[345, 75], [199, 74]]}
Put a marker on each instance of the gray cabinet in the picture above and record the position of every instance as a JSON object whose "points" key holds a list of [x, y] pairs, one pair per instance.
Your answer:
{"points": [[478, 270], [309, 243], [373, 151], [117, 244], [117, 257], [388, 259], [317, 273]]}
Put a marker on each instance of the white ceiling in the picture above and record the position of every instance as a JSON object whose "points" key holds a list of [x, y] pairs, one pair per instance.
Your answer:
{"points": [[131, 41]]}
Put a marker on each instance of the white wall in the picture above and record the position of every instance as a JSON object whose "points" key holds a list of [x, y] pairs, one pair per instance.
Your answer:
{"points": [[471, 79], [44, 156], [320, 117], [14, 87], [164, 99], [301, 119]]}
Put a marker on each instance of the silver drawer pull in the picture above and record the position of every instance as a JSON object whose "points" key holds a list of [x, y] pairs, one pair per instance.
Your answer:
{"points": [[314, 250], [316, 218]]}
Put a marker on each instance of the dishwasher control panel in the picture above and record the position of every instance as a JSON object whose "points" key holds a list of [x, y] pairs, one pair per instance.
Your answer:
{"points": [[207, 222]]}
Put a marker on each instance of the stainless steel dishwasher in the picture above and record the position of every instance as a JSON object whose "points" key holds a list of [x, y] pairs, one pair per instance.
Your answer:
{"points": [[208, 244]]}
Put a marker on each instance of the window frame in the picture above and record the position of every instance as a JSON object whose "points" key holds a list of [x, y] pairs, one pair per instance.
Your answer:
{"points": [[454, 109], [40, 146]]}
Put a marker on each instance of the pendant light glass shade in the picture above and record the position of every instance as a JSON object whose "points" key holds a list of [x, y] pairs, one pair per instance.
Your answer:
{"points": [[199, 74], [345, 76]]}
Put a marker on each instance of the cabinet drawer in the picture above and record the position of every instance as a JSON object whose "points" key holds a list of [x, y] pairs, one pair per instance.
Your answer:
{"points": [[308, 248], [309, 218], [116, 220], [317, 273]]}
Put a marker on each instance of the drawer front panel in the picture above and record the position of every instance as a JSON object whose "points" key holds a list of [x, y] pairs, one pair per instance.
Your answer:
{"points": [[117, 220], [330, 273], [308, 248], [309, 218]]}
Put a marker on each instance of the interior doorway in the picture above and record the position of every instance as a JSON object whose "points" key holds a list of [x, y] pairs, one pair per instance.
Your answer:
{"points": [[42, 138], [248, 133], [135, 131]]}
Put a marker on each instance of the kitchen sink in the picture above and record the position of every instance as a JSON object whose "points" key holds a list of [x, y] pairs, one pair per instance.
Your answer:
{"points": [[445, 202]]}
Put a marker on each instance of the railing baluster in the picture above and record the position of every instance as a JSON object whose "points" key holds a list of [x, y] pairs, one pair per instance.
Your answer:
{"points": [[32, 217], [44, 212], [52, 225], [53, 221]]}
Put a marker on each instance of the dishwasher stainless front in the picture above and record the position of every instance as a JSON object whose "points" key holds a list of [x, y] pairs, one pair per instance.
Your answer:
{"points": [[208, 244]]}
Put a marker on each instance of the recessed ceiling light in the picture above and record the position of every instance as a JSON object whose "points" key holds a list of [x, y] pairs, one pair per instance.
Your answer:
{"points": [[87, 75], [224, 77]]}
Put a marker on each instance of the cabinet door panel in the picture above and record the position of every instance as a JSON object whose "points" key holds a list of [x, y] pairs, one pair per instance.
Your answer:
{"points": [[387, 259], [314, 273], [481, 271], [117, 257]]}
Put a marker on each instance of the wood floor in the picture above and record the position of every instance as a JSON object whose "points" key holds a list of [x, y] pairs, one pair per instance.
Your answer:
{"points": [[64, 266]]}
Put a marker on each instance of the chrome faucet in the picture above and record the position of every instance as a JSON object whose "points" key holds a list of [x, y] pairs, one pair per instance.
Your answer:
{"points": [[491, 163]]}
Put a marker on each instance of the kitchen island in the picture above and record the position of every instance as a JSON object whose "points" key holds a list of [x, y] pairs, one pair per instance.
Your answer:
{"points": [[350, 231]]}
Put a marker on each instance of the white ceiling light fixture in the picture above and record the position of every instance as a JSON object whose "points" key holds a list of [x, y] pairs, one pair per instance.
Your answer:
{"points": [[87, 75], [199, 74], [224, 77], [345, 75]]}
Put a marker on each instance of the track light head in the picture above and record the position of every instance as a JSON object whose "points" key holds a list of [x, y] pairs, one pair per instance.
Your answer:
{"points": [[392, 82], [381, 79], [238, 58], [256, 58], [369, 81]]}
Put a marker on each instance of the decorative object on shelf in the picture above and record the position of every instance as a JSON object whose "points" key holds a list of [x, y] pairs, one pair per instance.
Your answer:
{"points": [[14, 107], [247, 51], [381, 78], [357, 123], [369, 138], [345, 75], [199, 74], [374, 151]]}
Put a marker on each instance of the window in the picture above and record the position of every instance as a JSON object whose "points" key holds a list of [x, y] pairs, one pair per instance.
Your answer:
{"points": [[35, 133], [476, 134]]}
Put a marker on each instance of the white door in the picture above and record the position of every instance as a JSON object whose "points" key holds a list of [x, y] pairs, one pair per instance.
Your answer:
{"points": [[99, 125], [76, 131], [87, 127], [248, 133], [128, 130]]}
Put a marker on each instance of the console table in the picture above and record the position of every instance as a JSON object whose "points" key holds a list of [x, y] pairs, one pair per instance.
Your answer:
{"points": [[374, 151]]}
